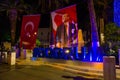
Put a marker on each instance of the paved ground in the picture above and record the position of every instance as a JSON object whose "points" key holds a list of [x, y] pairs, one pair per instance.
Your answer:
{"points": [[51, 69], [41, 72]]}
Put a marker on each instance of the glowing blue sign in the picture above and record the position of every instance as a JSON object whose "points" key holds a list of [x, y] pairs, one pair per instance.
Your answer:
{"points": [[117, 12]]}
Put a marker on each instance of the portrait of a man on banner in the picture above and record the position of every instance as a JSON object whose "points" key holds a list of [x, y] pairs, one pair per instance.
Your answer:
{"points": [[65, 27]]}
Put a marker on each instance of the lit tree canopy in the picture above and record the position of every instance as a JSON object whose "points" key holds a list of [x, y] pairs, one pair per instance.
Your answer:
{"points": [[112, 32]]}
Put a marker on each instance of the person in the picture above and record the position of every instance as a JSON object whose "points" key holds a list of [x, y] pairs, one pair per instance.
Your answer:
{"points": [[66, 33]]}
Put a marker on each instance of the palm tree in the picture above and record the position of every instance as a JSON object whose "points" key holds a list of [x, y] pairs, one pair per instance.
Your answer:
{"points": [[103, 6], [94, 32], [12, 8], [50, 5], [103, 12]]}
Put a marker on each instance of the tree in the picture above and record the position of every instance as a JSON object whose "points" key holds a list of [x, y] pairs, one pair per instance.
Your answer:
{"points": [[47, 6], [12, 8], [112, 37], [102, 7], [93, 22], [112, 40], [112, 33], [94, 32]]}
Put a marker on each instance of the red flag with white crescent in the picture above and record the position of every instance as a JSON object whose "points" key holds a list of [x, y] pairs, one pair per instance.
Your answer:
{"points": [[29, 31]]}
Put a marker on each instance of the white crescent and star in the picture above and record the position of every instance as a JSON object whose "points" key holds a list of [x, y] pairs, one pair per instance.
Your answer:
{"points": [[32, 27], [29, 23]]}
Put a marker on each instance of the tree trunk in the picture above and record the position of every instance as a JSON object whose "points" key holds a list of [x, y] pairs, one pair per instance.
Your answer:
{"points": [[93, 22], [13, 20], [94, 32], [104, 12]]}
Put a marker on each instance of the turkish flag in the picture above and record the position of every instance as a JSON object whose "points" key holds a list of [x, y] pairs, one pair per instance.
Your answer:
{"points": [[29, 31], [56, 21], [57, 17]]}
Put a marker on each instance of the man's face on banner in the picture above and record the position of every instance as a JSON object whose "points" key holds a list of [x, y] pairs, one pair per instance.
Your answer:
{"points": [[65, 17]]}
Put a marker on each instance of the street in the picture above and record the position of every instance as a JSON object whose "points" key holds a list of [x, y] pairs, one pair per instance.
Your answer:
{"points": [[41, 72]]}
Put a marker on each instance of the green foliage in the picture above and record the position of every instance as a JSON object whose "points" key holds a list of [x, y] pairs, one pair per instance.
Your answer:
{"points": [[18, 5], [37, 42], [112, 32], [112, 36]]}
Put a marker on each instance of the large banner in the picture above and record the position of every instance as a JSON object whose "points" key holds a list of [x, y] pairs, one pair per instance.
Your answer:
{"points": [[29, 31], [65, 27]]}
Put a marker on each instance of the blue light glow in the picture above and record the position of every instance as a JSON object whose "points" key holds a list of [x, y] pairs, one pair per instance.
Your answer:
{"points": [[34, 58], [84, 53], [97, 59], [91, 56], [68, 54], [95, 46], [117, 12], [75, 49]]}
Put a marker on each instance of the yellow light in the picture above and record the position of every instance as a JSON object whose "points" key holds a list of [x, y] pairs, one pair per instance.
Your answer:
{"points": [[80, 40], [67, 51], [35, 33]]}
